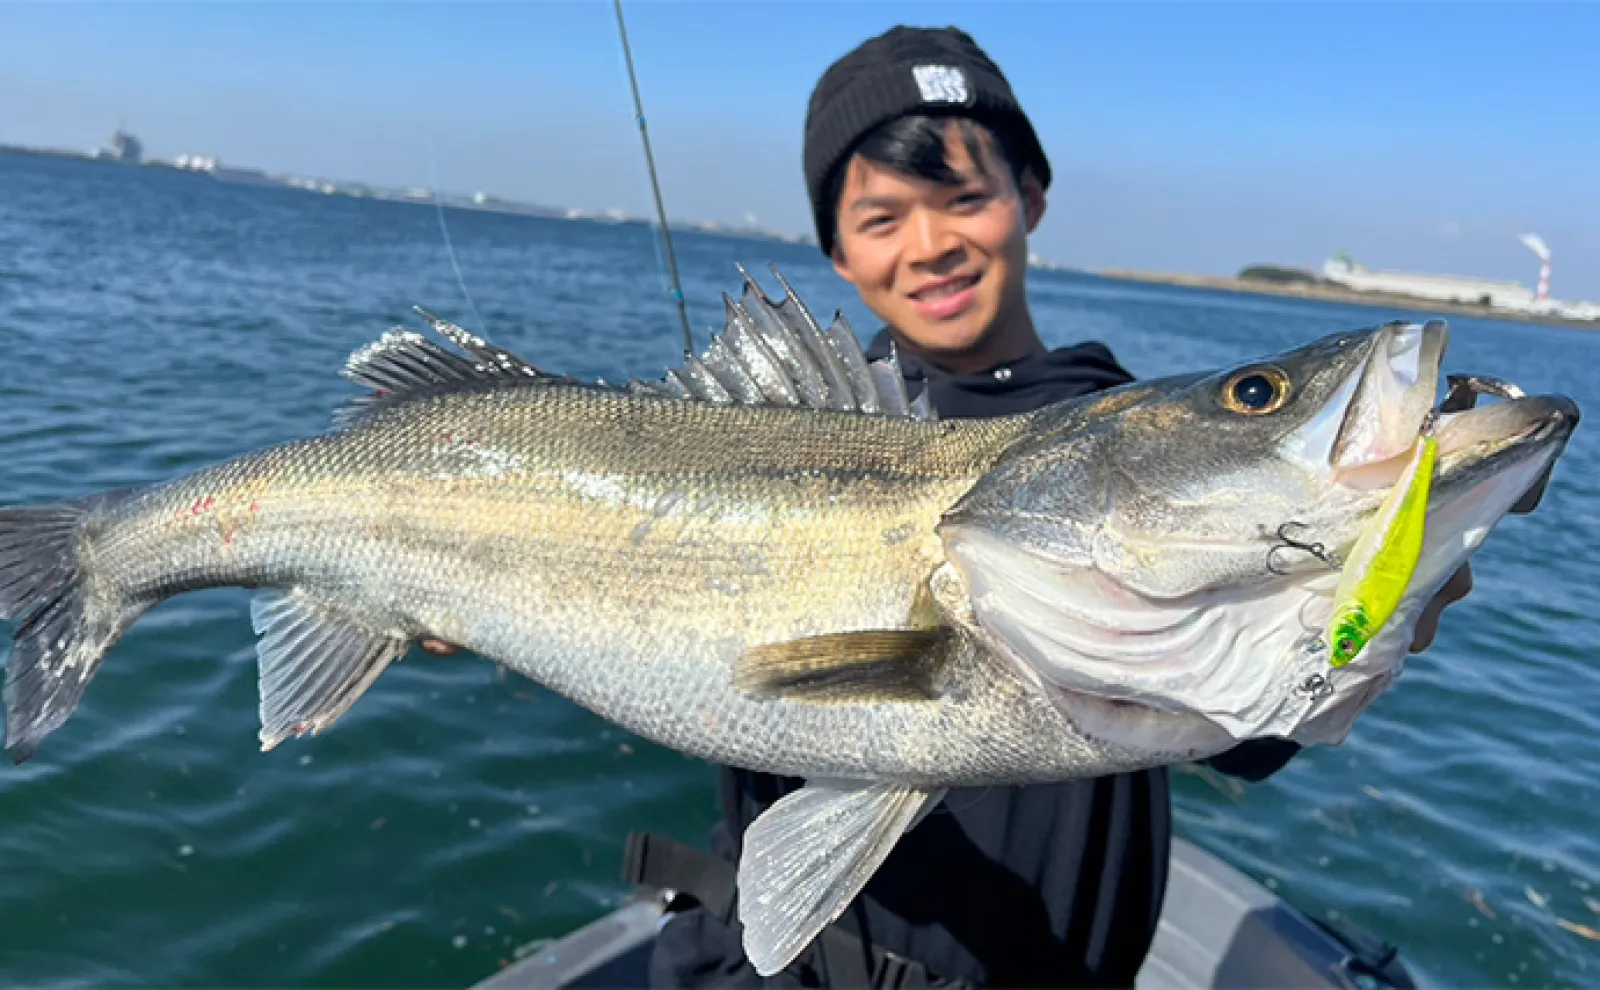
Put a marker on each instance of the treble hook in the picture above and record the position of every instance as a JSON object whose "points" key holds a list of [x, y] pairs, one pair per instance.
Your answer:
{"points": [[1316, 687], [1316, 550]]}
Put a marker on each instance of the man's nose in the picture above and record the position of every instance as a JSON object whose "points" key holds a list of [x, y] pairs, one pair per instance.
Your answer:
{"points": [[931, 242]]}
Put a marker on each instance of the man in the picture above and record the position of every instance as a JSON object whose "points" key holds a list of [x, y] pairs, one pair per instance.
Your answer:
{"points": [[925, 179]]}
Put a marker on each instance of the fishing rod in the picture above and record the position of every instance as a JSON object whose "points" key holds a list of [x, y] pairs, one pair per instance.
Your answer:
{"points": [[650, 162]]}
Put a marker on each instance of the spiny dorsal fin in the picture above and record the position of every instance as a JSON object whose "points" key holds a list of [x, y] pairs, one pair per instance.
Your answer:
{"points": [[865, 666], [776, 354], [403, 364], [491, 360], [769, 354]]}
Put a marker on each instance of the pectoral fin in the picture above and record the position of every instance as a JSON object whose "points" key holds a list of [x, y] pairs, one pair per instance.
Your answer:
{"points": [[871, 665], [806, 857]]}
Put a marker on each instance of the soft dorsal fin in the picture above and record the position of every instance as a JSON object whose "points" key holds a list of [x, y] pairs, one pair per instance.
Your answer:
{"points": [[403, 364], [777, 354]]}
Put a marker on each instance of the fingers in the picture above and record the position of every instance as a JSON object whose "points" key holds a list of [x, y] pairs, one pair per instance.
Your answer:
{"points": [[437, 647], [1530, 501], [1455, 589]]}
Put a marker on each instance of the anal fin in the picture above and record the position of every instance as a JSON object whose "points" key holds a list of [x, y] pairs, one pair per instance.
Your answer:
{"points": [[315, 662], [808, 856], [869, 665]]}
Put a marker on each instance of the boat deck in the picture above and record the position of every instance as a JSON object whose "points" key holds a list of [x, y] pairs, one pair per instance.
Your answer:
{"points": [[1218, 928]]}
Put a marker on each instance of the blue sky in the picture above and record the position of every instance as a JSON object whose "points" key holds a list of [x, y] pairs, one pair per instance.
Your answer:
{"points": [[1185, 136]]}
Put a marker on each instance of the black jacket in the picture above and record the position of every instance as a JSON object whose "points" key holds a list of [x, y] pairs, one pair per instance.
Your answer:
{"points": [[1051, 885]]}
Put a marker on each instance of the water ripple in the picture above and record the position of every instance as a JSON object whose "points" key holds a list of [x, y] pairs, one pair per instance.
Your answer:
{"points": [[157, 322]]}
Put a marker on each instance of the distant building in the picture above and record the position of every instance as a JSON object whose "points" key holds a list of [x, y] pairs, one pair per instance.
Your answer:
{"points": [[1575, 310], [123, 147], [1037, 260], [1444, 288]]}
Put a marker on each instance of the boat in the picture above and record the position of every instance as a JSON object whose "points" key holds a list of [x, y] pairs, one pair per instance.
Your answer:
{"points": [[1218, 928]]}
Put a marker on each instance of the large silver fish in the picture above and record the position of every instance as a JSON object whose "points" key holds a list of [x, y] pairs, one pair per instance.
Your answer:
{"points": [[769, 558]]}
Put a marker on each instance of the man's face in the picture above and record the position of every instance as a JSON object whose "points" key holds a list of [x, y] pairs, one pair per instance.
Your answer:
{"points": [[943, 264]]}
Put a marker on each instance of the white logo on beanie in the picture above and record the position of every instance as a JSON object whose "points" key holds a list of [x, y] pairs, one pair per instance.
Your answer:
{"points": [[941, 83]]}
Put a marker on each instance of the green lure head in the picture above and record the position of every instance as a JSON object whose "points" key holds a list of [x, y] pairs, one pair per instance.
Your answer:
{"points": [[1351, 631]]}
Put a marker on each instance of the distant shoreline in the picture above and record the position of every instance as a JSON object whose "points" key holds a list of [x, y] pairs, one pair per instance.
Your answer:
{"points": [[1330, 293], [476, 203]]}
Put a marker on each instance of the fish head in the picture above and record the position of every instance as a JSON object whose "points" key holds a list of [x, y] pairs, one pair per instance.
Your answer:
{"points": [[1162, 558]]}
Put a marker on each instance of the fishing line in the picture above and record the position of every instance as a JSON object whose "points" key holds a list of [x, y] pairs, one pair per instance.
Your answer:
{"points": [[661, 264], [449, 245], [947, 807]]}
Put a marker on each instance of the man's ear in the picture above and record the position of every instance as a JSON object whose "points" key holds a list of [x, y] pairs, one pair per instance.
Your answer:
{"points": [[840, 265], [1033, 200]]}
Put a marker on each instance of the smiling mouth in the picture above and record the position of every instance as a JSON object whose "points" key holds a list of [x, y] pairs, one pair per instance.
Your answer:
{"points": [[945, 289]]}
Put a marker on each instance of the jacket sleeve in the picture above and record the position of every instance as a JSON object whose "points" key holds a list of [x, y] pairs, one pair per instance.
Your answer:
{"points": [[1255, 759]]}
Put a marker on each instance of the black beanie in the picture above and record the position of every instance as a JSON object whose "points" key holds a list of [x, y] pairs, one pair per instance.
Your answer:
{"points": [[906, 70]]}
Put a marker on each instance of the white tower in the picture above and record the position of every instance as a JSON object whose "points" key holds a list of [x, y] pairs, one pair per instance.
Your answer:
{"points": [[1534, 243]]}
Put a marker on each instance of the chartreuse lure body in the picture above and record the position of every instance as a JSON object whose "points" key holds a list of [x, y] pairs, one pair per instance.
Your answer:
{"points": [[1381, 564]]}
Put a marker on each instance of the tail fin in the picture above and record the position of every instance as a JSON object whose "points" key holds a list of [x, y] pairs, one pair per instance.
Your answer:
{"points": [[62, 633]]}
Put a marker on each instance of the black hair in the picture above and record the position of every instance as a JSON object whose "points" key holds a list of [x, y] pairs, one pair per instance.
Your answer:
{"points": [[915, 145]]}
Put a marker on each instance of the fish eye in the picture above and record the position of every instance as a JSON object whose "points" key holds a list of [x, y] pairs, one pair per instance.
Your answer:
{"points": [[1256, 391]]}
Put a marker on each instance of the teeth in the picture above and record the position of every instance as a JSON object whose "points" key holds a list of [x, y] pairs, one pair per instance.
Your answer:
{"points": [[946, 290]]}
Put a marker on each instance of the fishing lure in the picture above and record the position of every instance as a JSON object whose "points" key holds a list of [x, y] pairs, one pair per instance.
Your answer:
{"points": [[1383, 560]]}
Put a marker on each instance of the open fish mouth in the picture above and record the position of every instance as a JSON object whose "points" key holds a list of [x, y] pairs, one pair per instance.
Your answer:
{"points": [[1383, 410], [1485, 451]]}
